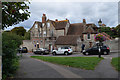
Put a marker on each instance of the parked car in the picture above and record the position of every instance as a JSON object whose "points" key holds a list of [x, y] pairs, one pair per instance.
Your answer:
{"points": [[23, 50], [63, 50], [41, 51], [95, 50]]}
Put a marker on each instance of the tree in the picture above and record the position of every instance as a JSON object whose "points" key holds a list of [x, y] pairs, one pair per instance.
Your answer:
{"points": [[109, 31], [10, 42], [19, 31], [27, 36], [14, 13], [118, 30]]}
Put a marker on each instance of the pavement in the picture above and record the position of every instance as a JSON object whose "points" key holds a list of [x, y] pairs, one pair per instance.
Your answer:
{"points": [[34, 68]]}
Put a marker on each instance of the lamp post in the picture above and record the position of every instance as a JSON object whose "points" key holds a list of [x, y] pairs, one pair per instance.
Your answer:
{"points": [[99, 45], [99, 38]]}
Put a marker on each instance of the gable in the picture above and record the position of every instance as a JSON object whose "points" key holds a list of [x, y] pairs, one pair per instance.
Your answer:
{"points": [[36, 22], [89, 30]]}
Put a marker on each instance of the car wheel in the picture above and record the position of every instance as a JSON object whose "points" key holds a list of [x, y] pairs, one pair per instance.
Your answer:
{"points": [[54, 53], [66, 53], [105, 53], [86, 53]]}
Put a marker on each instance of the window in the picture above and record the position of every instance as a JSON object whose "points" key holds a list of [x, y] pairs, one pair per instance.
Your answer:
{"points": [[88, 36], [44, 33], [36, 26], [52, 33], [43, 24], [37, 41], [48, 24]]}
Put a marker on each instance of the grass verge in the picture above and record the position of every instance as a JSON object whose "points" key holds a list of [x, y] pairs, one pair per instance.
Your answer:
{"points": [[88, 63], [116, 63]]}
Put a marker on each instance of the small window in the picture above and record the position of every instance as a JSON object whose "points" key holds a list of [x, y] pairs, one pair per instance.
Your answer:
{"points": [[44, 33], [48, 24], [43, 24], [37, 41], [88, 36], [36, 26]]}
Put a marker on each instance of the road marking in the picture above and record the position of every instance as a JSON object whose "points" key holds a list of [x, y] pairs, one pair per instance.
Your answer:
{"points": [[64, 72]]}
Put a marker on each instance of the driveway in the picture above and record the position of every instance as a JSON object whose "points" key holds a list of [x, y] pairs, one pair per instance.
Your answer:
{"points": [[33, 68]]}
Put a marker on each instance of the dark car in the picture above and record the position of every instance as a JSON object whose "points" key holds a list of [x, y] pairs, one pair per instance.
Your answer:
{"points": [[95, 50], [41, 51], [23, 50]]}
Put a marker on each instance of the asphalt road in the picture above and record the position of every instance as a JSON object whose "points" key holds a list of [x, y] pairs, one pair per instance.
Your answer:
{"points": [[33, 68]]}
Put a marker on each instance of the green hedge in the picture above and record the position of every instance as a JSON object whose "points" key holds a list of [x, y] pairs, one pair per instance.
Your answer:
{"points": [[10, 42]]}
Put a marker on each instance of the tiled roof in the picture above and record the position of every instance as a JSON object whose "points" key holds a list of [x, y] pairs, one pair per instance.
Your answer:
{"points": [[59, 24], [76, 29], [67, 40]]}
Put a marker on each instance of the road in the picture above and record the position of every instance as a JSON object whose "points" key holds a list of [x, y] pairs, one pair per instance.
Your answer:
{"points": [[33, 68]]}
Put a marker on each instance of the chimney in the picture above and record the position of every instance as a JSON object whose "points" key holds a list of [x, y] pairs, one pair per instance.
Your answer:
{"points": [[56, 19], [43, 18], [84, 21]]}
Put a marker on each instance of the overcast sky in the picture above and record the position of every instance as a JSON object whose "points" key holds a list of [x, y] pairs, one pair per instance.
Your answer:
{"points": [[74, 11]]}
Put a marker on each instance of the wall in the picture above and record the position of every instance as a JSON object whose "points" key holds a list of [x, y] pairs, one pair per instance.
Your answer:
{"points": [[91, 37], [28, 44], [113, 44], [59, 33]]}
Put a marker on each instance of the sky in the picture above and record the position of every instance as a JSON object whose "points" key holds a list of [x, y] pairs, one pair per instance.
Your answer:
{"points": [[75, 12]]}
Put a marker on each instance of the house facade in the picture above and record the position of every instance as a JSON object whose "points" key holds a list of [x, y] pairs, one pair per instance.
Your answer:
{"points": [[45, 33]]}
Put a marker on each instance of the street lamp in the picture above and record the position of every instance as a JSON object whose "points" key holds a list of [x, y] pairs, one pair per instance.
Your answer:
{"points": [[99, 45]]}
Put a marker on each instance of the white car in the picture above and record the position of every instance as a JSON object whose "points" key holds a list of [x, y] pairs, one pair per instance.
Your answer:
{"points": [[62, 50]]}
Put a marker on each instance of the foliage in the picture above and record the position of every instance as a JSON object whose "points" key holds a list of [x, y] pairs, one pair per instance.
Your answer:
{"points": [[14, 13], [100, 37], [118, 30], [110, 31], [115, 62], [27, 36], [10, 42], [19, 31], [88, 63]]}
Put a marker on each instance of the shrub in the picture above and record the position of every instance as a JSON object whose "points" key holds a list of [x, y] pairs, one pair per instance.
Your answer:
{"points": [[10, 42]]}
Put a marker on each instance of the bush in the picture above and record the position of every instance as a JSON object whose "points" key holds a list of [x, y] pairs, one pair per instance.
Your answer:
{"points": [[10, 42]]}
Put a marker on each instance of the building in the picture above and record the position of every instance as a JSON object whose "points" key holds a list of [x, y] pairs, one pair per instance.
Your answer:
{"points": [[81, 32], [45, 33], [52, 34]]}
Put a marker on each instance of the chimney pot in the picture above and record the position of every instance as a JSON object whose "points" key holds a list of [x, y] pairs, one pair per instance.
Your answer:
{"points": [[84, 21], [56, 19], [43, 14]]}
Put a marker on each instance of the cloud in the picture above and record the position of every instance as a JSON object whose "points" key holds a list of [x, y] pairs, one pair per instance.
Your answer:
{"points": [[74, 11]]}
